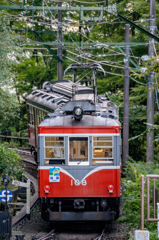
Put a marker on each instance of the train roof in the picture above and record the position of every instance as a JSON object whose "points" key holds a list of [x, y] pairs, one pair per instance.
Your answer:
{"points": [[59, 98], [87, 120], [57, 93]]}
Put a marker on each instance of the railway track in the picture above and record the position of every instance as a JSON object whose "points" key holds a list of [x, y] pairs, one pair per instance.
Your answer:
{"points": [[28, 163], [50, 236], [28, 158], [85, 234], [113, 231]]}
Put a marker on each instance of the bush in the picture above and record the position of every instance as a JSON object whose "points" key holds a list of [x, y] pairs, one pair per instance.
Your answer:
{"points": [[9, 163], [131, 195]]}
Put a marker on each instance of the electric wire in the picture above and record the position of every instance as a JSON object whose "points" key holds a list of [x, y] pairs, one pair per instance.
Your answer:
{"points": [[57, 26], [137, 81], [156, 92], [13, 3], [116, 18], [133, 55], [156, 87], [125, 15], [90, 47], [97, 62], [73, 60], [83, 2], [84, 76], [89, 38], [110, 65]]}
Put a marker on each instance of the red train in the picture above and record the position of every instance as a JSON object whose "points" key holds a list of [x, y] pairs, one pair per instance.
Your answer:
{"points": [[78, 143]]}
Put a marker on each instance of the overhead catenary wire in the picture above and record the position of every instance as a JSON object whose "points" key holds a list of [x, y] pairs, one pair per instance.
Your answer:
{"points": [[101, 44], [84, 2], [137, 81], [72, 59], [156, 87], [117, 18], [98, 62], [90, 39], [84, 76], [134, 10], [95, 61], [13, 3]]}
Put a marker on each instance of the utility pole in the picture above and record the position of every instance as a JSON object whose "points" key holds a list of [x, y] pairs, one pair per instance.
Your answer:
{"points": [[126, 100], [59, 51], [150, 92]]}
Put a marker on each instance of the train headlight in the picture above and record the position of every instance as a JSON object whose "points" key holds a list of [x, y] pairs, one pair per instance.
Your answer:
{"points": [[46, 189], [77, 112], [110, 188]]}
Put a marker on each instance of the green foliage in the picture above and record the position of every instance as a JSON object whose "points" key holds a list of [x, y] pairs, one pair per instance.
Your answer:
{"points": [[154, 65], [9, 53], [131, 195], [137, 119], [31, 74], [9, 111], [36, 68], [9, 163]]}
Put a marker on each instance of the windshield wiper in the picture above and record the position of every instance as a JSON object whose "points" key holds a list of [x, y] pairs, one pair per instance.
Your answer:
{"points": [[81, 160]]}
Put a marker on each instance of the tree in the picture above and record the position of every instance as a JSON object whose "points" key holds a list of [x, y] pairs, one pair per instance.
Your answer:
{"points": [[9, 53], [9, 163], [9, 111], [40, 67]]}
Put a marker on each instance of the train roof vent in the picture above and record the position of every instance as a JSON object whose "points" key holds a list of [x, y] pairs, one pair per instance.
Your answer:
{"points": [[110, 111], [40, 94], [111, 116], [49, 98], [110, 104], [46, 95], [33, 93], [62, 101]]}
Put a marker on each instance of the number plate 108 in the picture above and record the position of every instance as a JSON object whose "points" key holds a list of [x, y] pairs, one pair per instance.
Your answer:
{"points": [[77, 182]]}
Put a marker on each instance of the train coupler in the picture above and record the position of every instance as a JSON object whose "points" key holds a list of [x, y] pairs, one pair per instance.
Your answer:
{"points": [[79, 204]]}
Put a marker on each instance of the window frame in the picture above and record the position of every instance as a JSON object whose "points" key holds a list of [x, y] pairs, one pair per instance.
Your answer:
{"points": [[103, 158], [76, 163], [52, 146]]}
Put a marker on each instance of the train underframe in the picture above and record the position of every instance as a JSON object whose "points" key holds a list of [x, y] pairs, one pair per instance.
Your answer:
{"points": [[80, 209]]}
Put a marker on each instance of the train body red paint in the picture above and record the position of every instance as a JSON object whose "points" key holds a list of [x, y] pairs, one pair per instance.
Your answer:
{"points": [[78, 155], [95, 185]]}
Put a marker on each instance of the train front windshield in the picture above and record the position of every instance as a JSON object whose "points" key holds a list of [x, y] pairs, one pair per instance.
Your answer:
{"points": [[78, 149]]}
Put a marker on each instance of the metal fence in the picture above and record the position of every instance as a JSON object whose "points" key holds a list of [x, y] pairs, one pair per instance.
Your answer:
{"points": [[154, 199]]}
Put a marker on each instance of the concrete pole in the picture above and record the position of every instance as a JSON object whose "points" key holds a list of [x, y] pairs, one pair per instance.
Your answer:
{"points": [[126, 100], [150, 85], [28, 200], [59, 51]]}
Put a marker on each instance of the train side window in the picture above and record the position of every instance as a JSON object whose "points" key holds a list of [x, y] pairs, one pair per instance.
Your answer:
{"points": [[54, 150], [78, 151], [37, 117], [31, 115], [102, 150]]}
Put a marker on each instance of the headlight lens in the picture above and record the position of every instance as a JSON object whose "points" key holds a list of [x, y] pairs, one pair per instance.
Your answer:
{"points": [[78, 113]]}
